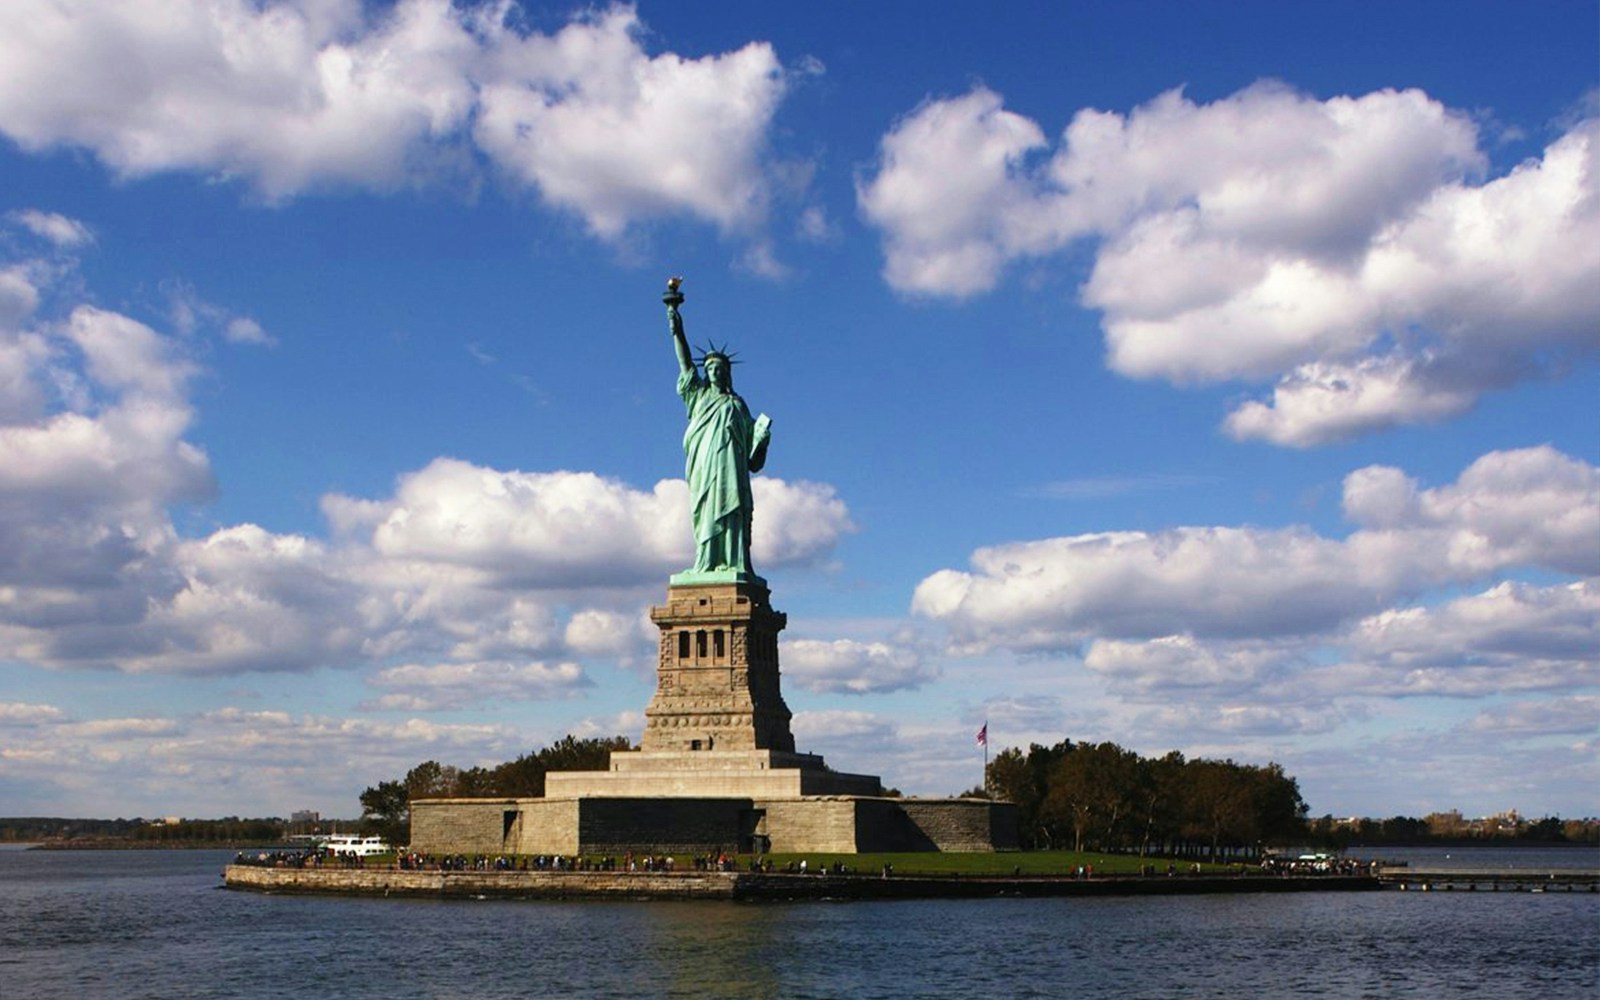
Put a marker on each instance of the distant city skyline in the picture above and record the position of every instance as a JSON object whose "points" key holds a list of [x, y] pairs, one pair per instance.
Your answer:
{"points": [[1212, 377]]}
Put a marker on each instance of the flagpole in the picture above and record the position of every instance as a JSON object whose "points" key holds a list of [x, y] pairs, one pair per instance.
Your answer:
{"points": [[983, 741]]}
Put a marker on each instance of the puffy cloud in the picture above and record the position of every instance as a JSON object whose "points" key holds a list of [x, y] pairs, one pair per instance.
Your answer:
{"points": [[1345, 249], [1201, 723], [1174, 662], [1511, 637], [950, 194], [297, 95], [93, 413], [285, 94], [570, 530], [424, 687], [603, 129], [53, 227], [111, 729], [21, 713], [462, 568], [846, 734], [1054, 593], [557, 529], [1533, 508], [609, 633], [1573, 715], [800, 522], [846, 666], [190, 313], [230, 760]]}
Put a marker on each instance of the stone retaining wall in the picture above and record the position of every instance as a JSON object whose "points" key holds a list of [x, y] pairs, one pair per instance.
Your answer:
{"points": [[739, 885], [963, 824], [472, 885]]}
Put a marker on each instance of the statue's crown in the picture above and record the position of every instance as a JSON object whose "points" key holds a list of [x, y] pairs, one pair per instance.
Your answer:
{"points": [[713, 351]]}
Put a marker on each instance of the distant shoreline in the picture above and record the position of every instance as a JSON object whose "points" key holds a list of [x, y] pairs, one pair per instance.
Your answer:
{"points": [[116, 844]]}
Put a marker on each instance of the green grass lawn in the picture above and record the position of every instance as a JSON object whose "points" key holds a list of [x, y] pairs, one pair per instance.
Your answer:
{"points": [[991, 863]]}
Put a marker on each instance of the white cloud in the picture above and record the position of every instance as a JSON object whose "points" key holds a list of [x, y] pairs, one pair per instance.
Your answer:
{"points": [[1511, 637], [556, 529], [1101, 487], [950, 194], [1173, 662], [799, 523], [570, 530], [1572, 715], [1345, 249], [54, 227], [299, 95], [846, 738], [462, 568], [1196, 724], [112, 729], [230, 761], [426, 687], [846, 666], [597, 632], [92, 418], [190, 313], [603, 129], [1533, 508], [21, 713]]}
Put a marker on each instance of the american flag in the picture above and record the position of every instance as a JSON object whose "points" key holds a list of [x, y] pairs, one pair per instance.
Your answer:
{"points": [[983, 735]]}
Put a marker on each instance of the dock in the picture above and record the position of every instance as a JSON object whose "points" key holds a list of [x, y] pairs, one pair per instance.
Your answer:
{"points": [[1481, 880]]}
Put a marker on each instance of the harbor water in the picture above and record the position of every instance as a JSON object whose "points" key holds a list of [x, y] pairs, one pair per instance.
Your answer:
{"points": [[156, 924]]}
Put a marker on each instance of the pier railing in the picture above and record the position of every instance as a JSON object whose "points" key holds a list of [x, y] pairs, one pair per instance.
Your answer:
{"points": [[1500, 880]]}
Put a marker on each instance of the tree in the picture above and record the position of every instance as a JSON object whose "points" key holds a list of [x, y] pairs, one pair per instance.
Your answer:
{"points": [[1094, 788], [386, 807], [1280, 811], [386, 811], [522, 778], [431, 780], [1160, 799], [1219, 806], [572, 754], [1024, 781]]}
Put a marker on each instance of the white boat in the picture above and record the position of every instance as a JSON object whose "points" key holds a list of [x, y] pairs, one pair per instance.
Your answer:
{"points": [[350, 844]]}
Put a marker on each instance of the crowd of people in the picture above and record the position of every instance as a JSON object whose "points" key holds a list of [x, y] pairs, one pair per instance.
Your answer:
{"points": [[1317, 864], [311, 858], [1312, 864], [629, 862]]}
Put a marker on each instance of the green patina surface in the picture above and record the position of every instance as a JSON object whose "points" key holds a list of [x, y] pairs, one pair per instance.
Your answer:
{"points": [[722, 445]]}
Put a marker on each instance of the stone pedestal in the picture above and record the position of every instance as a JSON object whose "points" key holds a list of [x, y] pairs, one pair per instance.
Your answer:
{"points": [[717, 672], [716, 769]]}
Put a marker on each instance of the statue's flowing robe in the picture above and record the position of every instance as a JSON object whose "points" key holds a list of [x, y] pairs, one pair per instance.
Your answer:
{"points": [[721, 447]]}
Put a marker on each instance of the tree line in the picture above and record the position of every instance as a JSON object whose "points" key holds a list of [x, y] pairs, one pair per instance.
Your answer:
{"points": [[1102, 797], [1338, 834], [228, 830], [386, 806]]}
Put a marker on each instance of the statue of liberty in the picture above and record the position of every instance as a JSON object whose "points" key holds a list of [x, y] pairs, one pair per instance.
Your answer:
{"points": [[722, 445]]}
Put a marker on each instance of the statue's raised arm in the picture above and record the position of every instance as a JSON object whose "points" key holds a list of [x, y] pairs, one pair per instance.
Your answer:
{"points": [[674, 298], [722, 445]]}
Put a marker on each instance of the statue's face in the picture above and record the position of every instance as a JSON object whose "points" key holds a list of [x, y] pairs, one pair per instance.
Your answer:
{"points": [[717, 373]]}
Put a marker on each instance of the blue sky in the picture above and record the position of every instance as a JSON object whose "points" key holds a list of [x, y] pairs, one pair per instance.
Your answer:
{"points": [[1211, 377]]}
